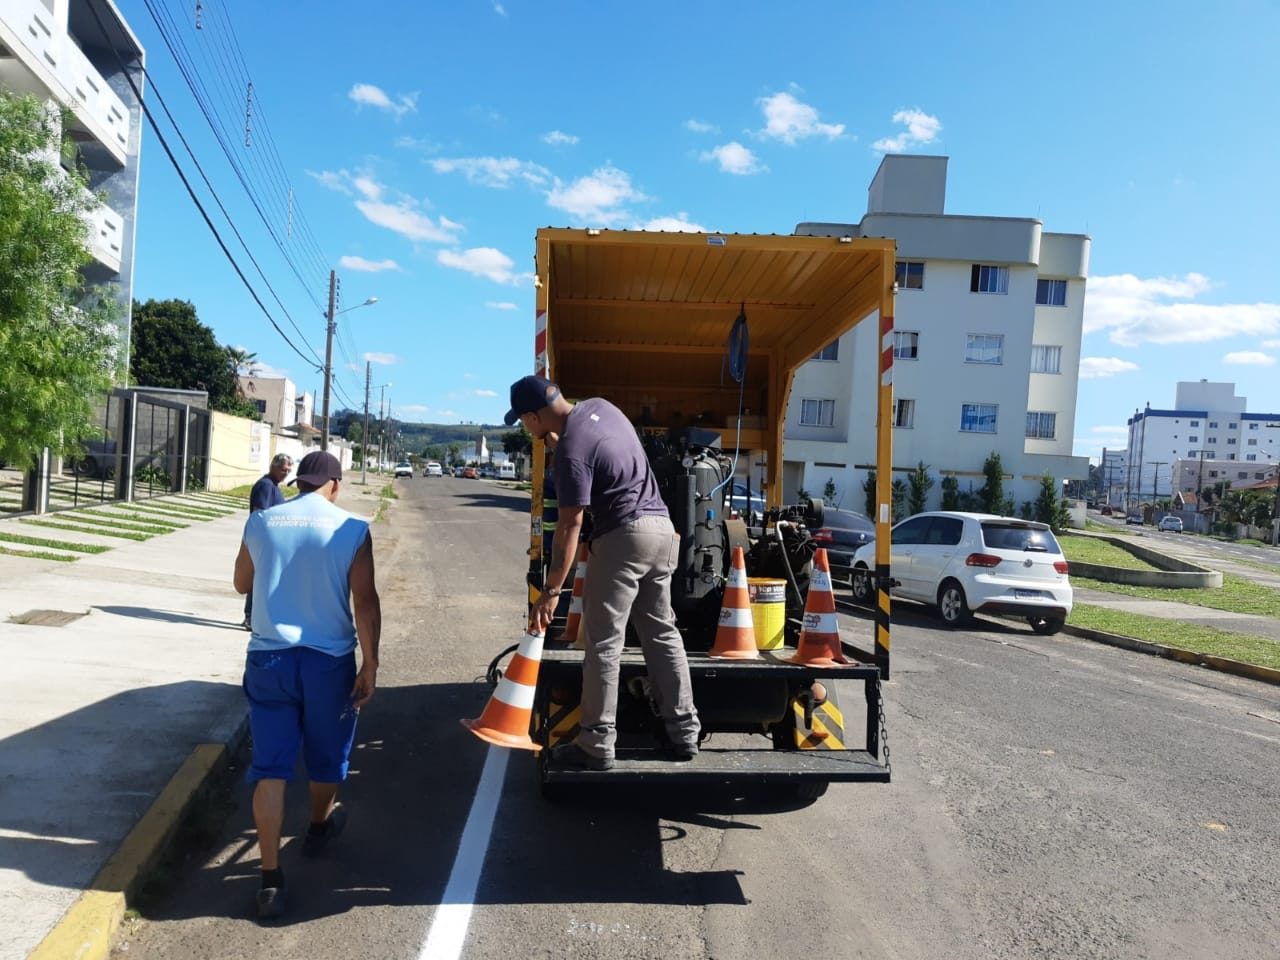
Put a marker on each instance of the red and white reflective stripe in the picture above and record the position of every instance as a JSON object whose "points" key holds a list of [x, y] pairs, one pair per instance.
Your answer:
{"points": [[737, 578], [820, 623], [540, 342], [820, 580], [886, 351], [738, 617], [514, 694], [512, 688]]}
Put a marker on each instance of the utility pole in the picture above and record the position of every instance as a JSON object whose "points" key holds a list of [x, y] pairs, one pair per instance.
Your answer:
{"points": [[364, 438], [1155, 479], [330, 326]]}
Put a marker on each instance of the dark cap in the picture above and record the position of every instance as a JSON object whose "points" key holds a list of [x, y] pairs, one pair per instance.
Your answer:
{"points": [[318, 468], [529, 395]]}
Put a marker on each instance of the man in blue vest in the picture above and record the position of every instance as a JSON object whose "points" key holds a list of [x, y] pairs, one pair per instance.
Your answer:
{"points": [[309, 563], [266, 493]]}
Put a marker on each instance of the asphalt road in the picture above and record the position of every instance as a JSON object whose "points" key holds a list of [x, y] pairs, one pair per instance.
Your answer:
{"points": [[1051, 798]]}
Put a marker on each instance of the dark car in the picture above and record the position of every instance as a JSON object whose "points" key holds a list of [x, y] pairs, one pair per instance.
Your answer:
{"points": [[841, 533]]}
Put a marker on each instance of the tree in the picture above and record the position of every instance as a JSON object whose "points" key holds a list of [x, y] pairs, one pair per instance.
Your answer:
{"points": [[173, 349], [921, 483], [898, 497], [991, 494], [829, 492], [517, 442], [1049, 507], [950, 492], [869, 492], [59, 337]]}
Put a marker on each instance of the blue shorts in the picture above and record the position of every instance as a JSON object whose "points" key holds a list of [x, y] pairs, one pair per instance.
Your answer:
{"points": [[300, 697]]}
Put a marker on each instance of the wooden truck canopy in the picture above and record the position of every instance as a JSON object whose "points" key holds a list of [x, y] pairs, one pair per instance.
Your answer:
{"points": [[644, 320]]}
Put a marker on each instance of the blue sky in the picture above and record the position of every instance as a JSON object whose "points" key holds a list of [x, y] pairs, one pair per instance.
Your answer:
{"points": [[417, 146]]}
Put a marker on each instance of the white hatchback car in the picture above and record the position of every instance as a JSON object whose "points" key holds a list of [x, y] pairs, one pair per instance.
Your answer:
{"points": [[968, 562]]}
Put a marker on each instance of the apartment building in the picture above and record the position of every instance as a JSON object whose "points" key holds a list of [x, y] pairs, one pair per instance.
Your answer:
{"points": [[1208, 437], [278, 400], [989, 315], [79, 55]]}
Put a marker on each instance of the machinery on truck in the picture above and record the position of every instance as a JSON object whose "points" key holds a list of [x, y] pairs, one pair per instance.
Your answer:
{"points": [[697, 338]]}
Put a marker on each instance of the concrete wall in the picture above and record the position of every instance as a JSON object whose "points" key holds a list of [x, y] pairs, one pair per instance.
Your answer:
{"points": [[241, 450]]}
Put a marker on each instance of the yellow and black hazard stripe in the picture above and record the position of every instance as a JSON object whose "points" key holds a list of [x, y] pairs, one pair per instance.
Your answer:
{"points": [[563, 724], [825, 730]]}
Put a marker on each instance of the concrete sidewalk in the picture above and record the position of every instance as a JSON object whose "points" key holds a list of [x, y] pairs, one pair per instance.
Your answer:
{"points": [[100, 713]]}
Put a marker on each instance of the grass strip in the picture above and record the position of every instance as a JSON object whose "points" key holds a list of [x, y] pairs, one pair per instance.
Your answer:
{"points": [[97, 532], [130, 516], [39, 555], [180, 513], [55, 544], [1174, 633], [1236, 595], [1088, 550], [117, 523]]}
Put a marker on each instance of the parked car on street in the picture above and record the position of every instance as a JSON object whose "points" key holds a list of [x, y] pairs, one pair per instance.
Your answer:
{"points": [[433, 469], [470, 473], [750, 508], [843, 532], [459, 471], [964, 563], [1134, 518], [1170, 524], [404, 469]]}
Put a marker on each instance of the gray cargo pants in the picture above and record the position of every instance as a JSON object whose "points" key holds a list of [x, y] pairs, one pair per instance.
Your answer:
{"points": [[629, 577]]}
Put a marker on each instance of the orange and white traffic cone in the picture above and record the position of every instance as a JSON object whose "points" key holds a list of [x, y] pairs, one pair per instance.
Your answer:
{"points": [[819, 644], [736, 633], [574, 623], [507, 717]]}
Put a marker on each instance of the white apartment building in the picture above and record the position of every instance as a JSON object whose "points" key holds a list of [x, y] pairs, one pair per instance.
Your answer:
{"points": [[278, 400], [58, 50], [989, 315], [1207, 438]]}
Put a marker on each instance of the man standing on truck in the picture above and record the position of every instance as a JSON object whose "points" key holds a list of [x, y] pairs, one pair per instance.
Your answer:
{"points": [[266, 493], [599, 463], [310, 562]]}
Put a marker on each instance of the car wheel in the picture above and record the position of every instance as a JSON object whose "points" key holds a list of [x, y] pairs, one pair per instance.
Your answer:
{"points": [[1046, 626], [952, 604], [86, 467], [860, 586]]}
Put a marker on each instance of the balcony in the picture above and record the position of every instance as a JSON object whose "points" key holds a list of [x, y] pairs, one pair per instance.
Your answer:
{"points": [[48, 52], [106, 236]]}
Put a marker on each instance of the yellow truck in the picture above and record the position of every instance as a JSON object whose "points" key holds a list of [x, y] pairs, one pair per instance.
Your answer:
{"points": [[697, 338]]}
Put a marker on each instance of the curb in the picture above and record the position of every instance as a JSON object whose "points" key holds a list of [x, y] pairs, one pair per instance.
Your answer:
{"points": [[86, 930], [1221, 664]]}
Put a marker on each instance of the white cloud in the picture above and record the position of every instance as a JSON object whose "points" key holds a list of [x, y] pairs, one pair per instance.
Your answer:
{"points": [[677, 224], [485, 393], [493, 171], [447, 414], [1119, 430], [367, 266], [501, 305], [596, 199], [1093, 368], [697, 126], [558, 139], [399, 213], [483, 262], [1271, 344], [383, 358], [1250, 358], [368, 95], [789, 120], [1137, 311], [921, 129], [413, 408], [499, 9], [734, 158], [333, 179]]}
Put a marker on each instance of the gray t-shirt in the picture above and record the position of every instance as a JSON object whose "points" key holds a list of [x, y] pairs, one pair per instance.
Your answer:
{"points": [[600, 464]]}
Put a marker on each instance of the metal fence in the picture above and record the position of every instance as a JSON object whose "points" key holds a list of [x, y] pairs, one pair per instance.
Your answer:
{"points": [[142, 446]]}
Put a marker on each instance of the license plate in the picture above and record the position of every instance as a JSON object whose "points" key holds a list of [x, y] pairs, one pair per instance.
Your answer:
{"points": [[1028, 594]]}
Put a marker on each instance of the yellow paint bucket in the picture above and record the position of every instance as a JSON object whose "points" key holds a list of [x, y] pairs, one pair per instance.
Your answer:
{"points": [[768, 610]]}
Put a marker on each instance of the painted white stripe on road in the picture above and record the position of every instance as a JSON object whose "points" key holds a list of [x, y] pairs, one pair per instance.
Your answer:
{"points": [[449, 925]]}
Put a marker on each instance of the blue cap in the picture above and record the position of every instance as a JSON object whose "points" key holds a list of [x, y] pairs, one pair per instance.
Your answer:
{"points": [[529, 395]]}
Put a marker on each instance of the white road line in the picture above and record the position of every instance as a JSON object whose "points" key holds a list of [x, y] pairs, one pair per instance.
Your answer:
{"points": [[449, 925]]}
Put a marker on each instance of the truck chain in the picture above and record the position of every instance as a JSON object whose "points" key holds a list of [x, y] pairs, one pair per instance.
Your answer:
{"points": [[884, 730]]}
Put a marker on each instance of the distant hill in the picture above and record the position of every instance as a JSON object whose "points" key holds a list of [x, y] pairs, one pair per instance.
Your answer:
{"points": [[416, 435]]}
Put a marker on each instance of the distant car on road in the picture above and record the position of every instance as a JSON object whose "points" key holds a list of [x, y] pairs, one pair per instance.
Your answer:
{"points": [[433, 469], [1170, 524], [404, 469], [459, 471], [1134, 518], [470, 473]]}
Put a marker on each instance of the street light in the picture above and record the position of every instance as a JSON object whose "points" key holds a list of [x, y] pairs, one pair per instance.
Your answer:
{"points": [[364, 442], [330, 328]]}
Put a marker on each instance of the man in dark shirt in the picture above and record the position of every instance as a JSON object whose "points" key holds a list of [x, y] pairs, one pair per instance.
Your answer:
{"points": [[599, 463], [266, 493]]}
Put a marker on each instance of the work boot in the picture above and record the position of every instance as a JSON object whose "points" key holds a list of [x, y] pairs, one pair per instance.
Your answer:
{"points": [[318, 837], [572, 755]]}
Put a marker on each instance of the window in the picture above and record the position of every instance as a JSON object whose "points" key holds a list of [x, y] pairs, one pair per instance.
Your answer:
{"points": [[1051, 293], [1253, 426], [817, 413], [1213, 423], [1259, 475], [909, 274], [1253, 441], [1041, 426], [906, 345], [1251, 456], [1213, 439], [1231, 441], [988, 279], [261, 405], [984, 348], [1195, 423], [1045, 359], [829, 352], [1213, 473], [1232, 426], [904, 414], [977, 418], [1193, 439], [1242, 475], [1231, 456]]}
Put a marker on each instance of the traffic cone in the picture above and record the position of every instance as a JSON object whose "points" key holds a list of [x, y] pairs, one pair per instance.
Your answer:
{"points": [[819, 644], [507, 716], [574, 623], [736, 634]]}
